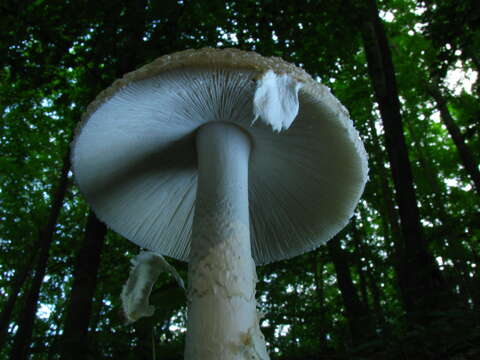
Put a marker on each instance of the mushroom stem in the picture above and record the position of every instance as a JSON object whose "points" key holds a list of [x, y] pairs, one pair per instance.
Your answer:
{"points": [[222, 316]]}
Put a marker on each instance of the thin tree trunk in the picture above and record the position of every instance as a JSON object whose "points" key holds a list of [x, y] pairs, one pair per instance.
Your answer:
{"points": [[435, 207], [371, 278], [22, 339], [463, 281], [358, 255], [318, 267], [355, 312], [424, 282], [475, 281], [377, 306], [466, 156], [135, 11], [21, 275], [390, 217], [145, 348], [470, 50], [74, 343]]}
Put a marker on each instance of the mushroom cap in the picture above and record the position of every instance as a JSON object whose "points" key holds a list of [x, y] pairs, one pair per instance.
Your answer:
{"points": [[134, 154]]}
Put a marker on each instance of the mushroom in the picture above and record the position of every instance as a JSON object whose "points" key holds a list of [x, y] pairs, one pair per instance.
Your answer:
{"points": [[171, 157]]}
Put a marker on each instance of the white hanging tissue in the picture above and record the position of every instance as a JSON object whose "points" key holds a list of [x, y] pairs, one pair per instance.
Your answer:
{"points": [[147, 266], [276, 100]]}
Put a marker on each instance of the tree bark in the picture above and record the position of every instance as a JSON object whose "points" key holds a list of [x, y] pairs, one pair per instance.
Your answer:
{"points": [[135, 13], [318, 268], [23, 336], [475, 281], [355, 312], [423, 280], [466, 156], [74, 343], [434, 207], [390, 216], [376, 304], [21, 275], [146, 347], [358, 255]]}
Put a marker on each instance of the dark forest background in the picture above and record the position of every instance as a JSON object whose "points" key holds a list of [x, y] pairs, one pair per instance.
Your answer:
{"points": [[400, 282]]}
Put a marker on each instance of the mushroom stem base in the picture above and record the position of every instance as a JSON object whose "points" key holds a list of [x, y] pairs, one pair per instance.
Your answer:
{"points": [[223, 323]]}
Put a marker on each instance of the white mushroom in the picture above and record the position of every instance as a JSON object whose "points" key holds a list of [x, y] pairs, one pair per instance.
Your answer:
{"points": [[170, 158]]}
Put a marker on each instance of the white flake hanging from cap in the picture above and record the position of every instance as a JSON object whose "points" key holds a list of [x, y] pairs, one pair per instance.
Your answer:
{"points": [[147, 266], [276, 100]]}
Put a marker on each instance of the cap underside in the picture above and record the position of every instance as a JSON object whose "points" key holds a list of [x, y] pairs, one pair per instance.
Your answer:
{"points": [[134, 159]]}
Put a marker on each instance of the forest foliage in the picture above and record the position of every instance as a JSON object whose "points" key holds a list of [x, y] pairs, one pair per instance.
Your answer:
{"points": [[401, 281]]}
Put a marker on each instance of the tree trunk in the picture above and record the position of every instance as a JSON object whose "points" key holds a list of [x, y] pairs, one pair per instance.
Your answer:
{"points": [[21, 275], [423, 279], [470, 50], [390, 216], [466, 156], [134, 28], [145, 348], [22, 339], [475, 281], [74, 343], [358, 255], [377, 306], [355, 312], [318, 268], [434, 207]]}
